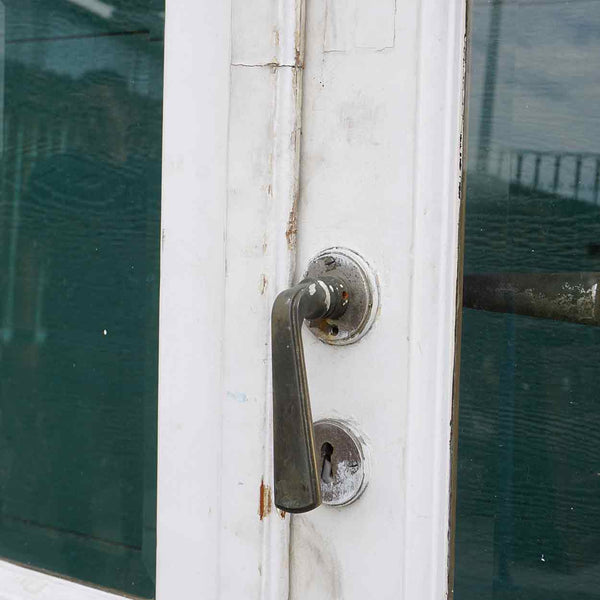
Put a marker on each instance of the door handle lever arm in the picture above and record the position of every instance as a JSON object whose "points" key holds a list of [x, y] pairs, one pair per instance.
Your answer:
{"points": [[297, 481]]}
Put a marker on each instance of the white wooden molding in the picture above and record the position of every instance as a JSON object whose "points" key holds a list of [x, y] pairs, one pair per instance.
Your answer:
{"points": [[192, 297], [263, 180], [437, 167]]}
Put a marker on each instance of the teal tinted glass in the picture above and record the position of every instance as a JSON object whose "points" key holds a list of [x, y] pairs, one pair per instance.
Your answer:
{"points": [[528, 493], [81, 117]]}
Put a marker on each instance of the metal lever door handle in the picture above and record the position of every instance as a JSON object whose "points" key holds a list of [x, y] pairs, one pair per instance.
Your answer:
{"points": [[297, 481], [570, 297]]}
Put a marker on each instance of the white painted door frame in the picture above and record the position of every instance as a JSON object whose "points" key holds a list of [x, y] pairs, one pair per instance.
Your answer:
{"points": [[196, 112], [381, 173], [235, 544], [233, 91]]}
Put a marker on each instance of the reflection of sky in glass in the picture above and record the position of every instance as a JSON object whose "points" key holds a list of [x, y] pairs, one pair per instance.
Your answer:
{"points": [[528, 491], [547, 83], [44, 35]]}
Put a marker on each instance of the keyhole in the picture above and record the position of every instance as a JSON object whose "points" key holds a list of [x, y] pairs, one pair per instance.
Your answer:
{"points": [[327, 468]]}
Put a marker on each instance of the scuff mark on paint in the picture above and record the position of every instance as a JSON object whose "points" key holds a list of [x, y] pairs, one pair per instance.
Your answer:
{"points": [[237, 397]]}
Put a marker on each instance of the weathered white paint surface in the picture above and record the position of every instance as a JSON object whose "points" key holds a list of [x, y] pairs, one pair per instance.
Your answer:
{"points": [[196, 110], [439, 124], [351, 24], [264, 151], [357, 192], [379, 174]]}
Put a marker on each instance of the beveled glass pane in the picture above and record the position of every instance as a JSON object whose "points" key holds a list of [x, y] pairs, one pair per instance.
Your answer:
{"points": [[79, 275]]}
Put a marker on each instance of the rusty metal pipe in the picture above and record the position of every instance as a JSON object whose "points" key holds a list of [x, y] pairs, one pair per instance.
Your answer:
{"points": [[569, 297]]}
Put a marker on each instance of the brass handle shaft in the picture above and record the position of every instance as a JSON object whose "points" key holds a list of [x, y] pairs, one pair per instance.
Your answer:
{"points": [[297, 482]]}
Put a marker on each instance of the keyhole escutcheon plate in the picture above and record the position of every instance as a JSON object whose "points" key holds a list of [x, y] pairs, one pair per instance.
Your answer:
{"points": [[343, 464]]}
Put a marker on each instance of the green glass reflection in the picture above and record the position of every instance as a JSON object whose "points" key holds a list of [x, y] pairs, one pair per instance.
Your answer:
{"points": [[528, 499], [79, 267]]}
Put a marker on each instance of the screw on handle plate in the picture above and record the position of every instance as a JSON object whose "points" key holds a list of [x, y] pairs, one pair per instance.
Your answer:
{"points": [[297, 480]]}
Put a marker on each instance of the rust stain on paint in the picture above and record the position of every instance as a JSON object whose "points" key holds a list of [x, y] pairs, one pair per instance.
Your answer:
{"points": [[264, 501], [282, 513], [264, 282], [292, 229]]}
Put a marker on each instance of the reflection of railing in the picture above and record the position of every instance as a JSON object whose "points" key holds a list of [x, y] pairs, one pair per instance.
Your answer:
{"points": [[569, 174]]}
